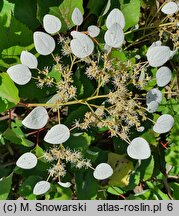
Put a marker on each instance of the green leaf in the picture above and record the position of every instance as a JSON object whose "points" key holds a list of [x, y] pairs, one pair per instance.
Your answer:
{"points": [[16, 34], [25, 11], [5, 187], [131, 11], [86, 185], [96, 7], [79, 142], [8, 92], [61, 193], [146, 168], [11, 56], [64, 12], [75, 114], [172, 155], [122, 168], [16, 139], [44, 5], [16, 136], [115, 190], [157, 192], [175, 190], [145, 195], [26, 189], [6, 12], [55, 74]]}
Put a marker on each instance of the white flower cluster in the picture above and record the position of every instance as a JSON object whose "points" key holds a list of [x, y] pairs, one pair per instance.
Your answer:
{"points": [[82, 46]]}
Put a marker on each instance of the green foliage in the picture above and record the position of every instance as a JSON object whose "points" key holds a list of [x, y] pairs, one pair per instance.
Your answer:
{"points": [[5, 187], [131, 11], [64, 12], [8, 93]]}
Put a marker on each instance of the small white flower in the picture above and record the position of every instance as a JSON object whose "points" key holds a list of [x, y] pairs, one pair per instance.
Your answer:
{"points": [[81, 45], [44, 43], [57, 134], [114, 36], [20, 74], [152, 106], [93, 31], [139, 149], [158, 55], [163, 124], [115, 16], [154, 95], [103, 171], [28, 59], [163, 76], [170, 8], [27, 161], [77, 17], [51, 24], [65, 184], [36, 119], [41, 188]]}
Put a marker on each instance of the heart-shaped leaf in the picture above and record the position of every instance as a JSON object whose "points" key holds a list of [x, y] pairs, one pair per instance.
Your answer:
{"points": [[115, 16], [163, 76], [65, 184], [27, 161], [20, 74], [81, 46], [170, 8], [93, 31], [139, 149], [77, 17], [114, 36], [41, 188], [57, 134], [44, 43], [51, 24], [154, 95], [36, 119], [152, 106], [103, 171], [158, 55], [163, 124], [28, 59]]}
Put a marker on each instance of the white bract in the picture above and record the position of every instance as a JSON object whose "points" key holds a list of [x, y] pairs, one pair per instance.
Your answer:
{"points": [[57, 134], [54, 100], [28, 59], [77, 17], [36, 119], [170, 8], [27, 161], [44, 43], [163, 76], [93, 31], [163, 124], [41, 188], [114, 36], [158, 55], [115, 16], [65, 184], [103, 171], [154, 95], [20, 74], [141, 129], [139, 149], [152, 106], [51, 24], [81, 45]]}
